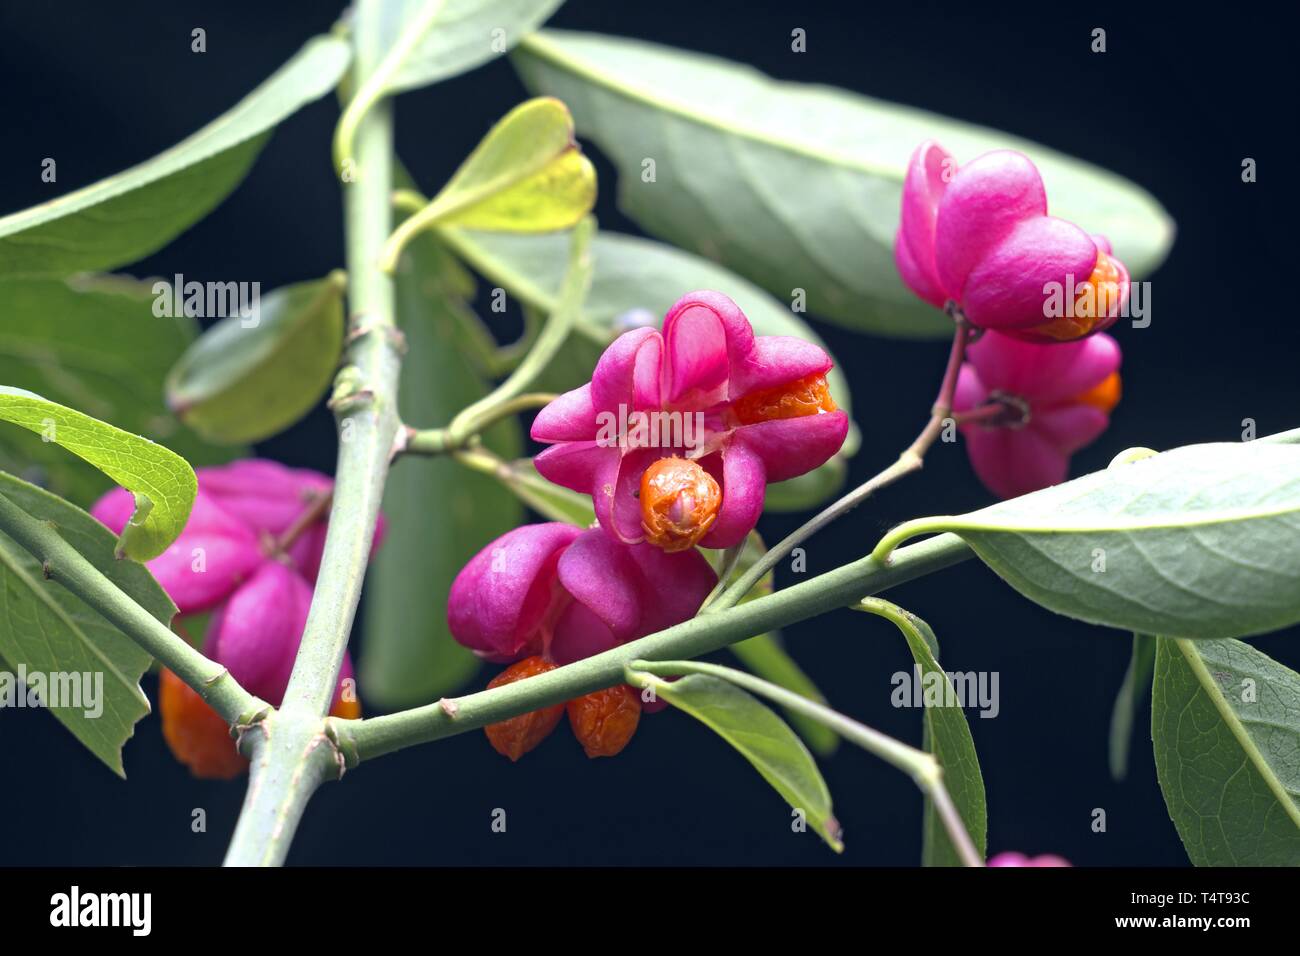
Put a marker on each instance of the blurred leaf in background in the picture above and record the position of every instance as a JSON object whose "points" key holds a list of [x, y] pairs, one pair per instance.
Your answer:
{"points": [[439, 512], [95, 345]]}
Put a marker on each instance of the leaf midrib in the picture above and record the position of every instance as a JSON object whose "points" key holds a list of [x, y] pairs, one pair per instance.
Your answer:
{"points": [[953, 523], [548, 50], [1237, 728]]}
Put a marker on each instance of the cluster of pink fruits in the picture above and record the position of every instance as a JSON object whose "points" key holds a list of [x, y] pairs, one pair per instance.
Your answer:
{"points": [[1036, 386], [549, 594], [249, 554], [977, 241]]}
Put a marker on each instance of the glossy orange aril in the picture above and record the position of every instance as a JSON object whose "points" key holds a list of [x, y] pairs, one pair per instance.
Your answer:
{"points": [[1094, 302], [809, 395], [346, 709], [679, 501], [195, 733], [1103, 396]]}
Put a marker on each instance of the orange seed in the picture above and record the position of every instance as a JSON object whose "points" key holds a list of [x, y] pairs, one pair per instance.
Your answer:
{"points": [[604, 721], [515, 737], [195, 733]]}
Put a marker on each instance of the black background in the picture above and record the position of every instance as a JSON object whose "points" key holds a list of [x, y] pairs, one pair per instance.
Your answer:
{"points": [[1175, 104]]}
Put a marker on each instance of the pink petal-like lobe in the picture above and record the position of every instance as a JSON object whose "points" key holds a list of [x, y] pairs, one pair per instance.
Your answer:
{"points": [[210, 557], [256, 633], [744, 486], [499, 599], [923, 186], [1010, 286], [599, 573], [986, 199]]}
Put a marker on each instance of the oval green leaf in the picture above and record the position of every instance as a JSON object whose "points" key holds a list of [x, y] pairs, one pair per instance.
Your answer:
{"points": [[46, 629], [527, 175], [794, 186], [1225, 725], [761, 737], [1197, 542], [249, 377], [161, 480], [765, 656], [127, 216], [93, 344], [436, 39]]}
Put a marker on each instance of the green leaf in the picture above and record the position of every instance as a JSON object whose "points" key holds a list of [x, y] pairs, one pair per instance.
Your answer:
{"points": [[439, 514], [247, 378], [633, 276], [1225, 725], [765, 656], [1196, 542], [792, 185], [445, 37], [761, 737], [527, 175], [127, 216], [1137, 681], [947, 736], [161, 480], [96, 345], [46, 629]]}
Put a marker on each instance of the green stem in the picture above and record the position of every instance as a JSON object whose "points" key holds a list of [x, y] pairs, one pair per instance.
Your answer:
{"points": [[730, 560], [371, 84], [291, 755], [440, 441], [909, 461], [922, 767], [552, 338], [66, 565], [366, 739], [528, 291], [505, 359], [365, 399]]}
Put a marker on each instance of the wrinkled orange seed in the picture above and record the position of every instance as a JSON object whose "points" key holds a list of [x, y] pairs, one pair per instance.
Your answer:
{"points": [[515, 737], [604, 721]]}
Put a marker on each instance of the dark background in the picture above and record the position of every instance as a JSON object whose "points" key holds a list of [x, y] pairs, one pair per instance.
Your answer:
{"points": [[1175, 104]]}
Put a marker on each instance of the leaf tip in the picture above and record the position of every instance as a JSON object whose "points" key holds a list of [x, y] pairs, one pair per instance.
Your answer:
{"points": [[834, 834]]}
